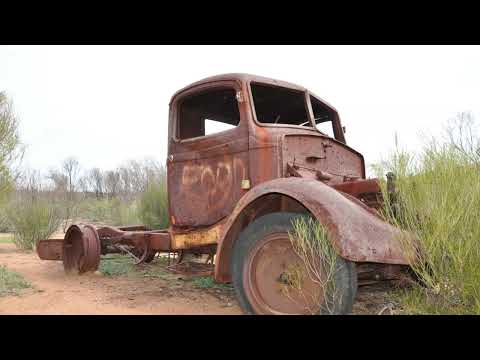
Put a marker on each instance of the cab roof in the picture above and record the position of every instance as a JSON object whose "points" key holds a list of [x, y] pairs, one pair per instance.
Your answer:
{"points": [[247, 78], [242, 77]]}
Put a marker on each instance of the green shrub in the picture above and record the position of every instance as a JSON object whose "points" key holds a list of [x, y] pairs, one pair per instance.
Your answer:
{"points": [[123, 213], [438, 200], [11, 282], [32, 220], [153, 206], [113, 212], [311, 243]]}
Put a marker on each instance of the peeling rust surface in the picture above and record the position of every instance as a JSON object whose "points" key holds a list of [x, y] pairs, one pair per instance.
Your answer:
{"points": [[50, 249], [357, 234], [197, 238], [317, 153], [81, 249]]}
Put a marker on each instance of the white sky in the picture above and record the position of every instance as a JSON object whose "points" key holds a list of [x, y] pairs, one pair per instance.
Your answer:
{"points": [[108, 104]]}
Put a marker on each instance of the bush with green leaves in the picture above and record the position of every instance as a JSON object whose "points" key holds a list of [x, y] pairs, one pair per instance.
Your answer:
{"points": [[153, 205], [11, 149], [32, 220]]}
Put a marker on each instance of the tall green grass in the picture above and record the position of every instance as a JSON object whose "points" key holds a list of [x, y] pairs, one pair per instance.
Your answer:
{"points": [[153, 205], [438, 200]]}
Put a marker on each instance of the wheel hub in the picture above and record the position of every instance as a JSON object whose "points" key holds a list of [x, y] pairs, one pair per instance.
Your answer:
{"points": [[276, 280]]}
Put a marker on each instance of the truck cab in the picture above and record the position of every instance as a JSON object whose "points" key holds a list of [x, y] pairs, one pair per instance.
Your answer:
{"points": [[229, 133]]}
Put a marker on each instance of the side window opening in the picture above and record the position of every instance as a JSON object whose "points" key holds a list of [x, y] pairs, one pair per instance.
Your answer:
{"points": [[323, 117], [207, 113], [279, 105]]}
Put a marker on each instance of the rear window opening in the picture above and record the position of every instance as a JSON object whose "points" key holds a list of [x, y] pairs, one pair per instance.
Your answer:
{"points": [[279, 105], [207, 113]]}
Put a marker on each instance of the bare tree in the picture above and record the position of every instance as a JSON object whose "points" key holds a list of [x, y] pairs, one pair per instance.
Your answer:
{"points": [[96, 181], [65, 184], [141, 173], [463, 134], [71, 169], [125, 182], [112, 183], [84, 185], [60, 181]]}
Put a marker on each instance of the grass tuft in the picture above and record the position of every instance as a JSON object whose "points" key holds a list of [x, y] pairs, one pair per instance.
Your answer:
{"points": [[116, 265], [207, 282], [11, 282], [311, 243]]}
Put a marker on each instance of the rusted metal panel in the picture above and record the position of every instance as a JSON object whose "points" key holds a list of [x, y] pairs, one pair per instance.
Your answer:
{"points": [[160, 241], [205, 174], [316, 153], [204, 191], [51, 249], [359, 187], [198, 237], [134, 228], [357, 234], [368, 191]]}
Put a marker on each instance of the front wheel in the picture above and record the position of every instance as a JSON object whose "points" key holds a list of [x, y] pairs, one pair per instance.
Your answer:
{"points": [[262, 263]]}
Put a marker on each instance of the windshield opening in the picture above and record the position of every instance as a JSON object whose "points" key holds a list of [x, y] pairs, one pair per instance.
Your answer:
{"points": [[279, 105], [323, 117]]}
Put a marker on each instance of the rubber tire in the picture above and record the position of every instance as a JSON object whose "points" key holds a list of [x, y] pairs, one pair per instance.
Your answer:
{"points": [[346, 275]]}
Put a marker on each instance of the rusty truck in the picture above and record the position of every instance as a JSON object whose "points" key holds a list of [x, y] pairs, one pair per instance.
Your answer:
{"points": [[246, 156]]}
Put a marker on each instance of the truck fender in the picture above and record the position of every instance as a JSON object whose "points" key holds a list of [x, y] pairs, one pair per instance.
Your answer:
{"points": [[357, 233]]}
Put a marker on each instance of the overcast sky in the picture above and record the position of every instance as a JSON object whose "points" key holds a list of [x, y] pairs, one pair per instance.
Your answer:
{"points": [[108, 104]]}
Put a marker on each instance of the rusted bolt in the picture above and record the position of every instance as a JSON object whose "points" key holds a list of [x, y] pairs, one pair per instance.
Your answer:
{"points": [[283, 278]]}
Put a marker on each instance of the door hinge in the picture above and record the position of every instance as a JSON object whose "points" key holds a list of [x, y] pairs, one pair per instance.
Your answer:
{"points": [[239, 96]]}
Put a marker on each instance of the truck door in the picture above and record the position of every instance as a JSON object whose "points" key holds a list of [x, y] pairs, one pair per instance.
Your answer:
{"points": [[208, 154]]}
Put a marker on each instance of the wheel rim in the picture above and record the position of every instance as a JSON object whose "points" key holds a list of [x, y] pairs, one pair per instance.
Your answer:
{"points": [[276, 281], [81, 249]]}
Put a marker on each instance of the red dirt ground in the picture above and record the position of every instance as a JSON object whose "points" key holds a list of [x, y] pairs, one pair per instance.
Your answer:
{"points": [[54, 292]]}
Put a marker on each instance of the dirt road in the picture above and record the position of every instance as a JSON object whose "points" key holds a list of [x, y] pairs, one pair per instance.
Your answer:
{"points": [[54, 292]]}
